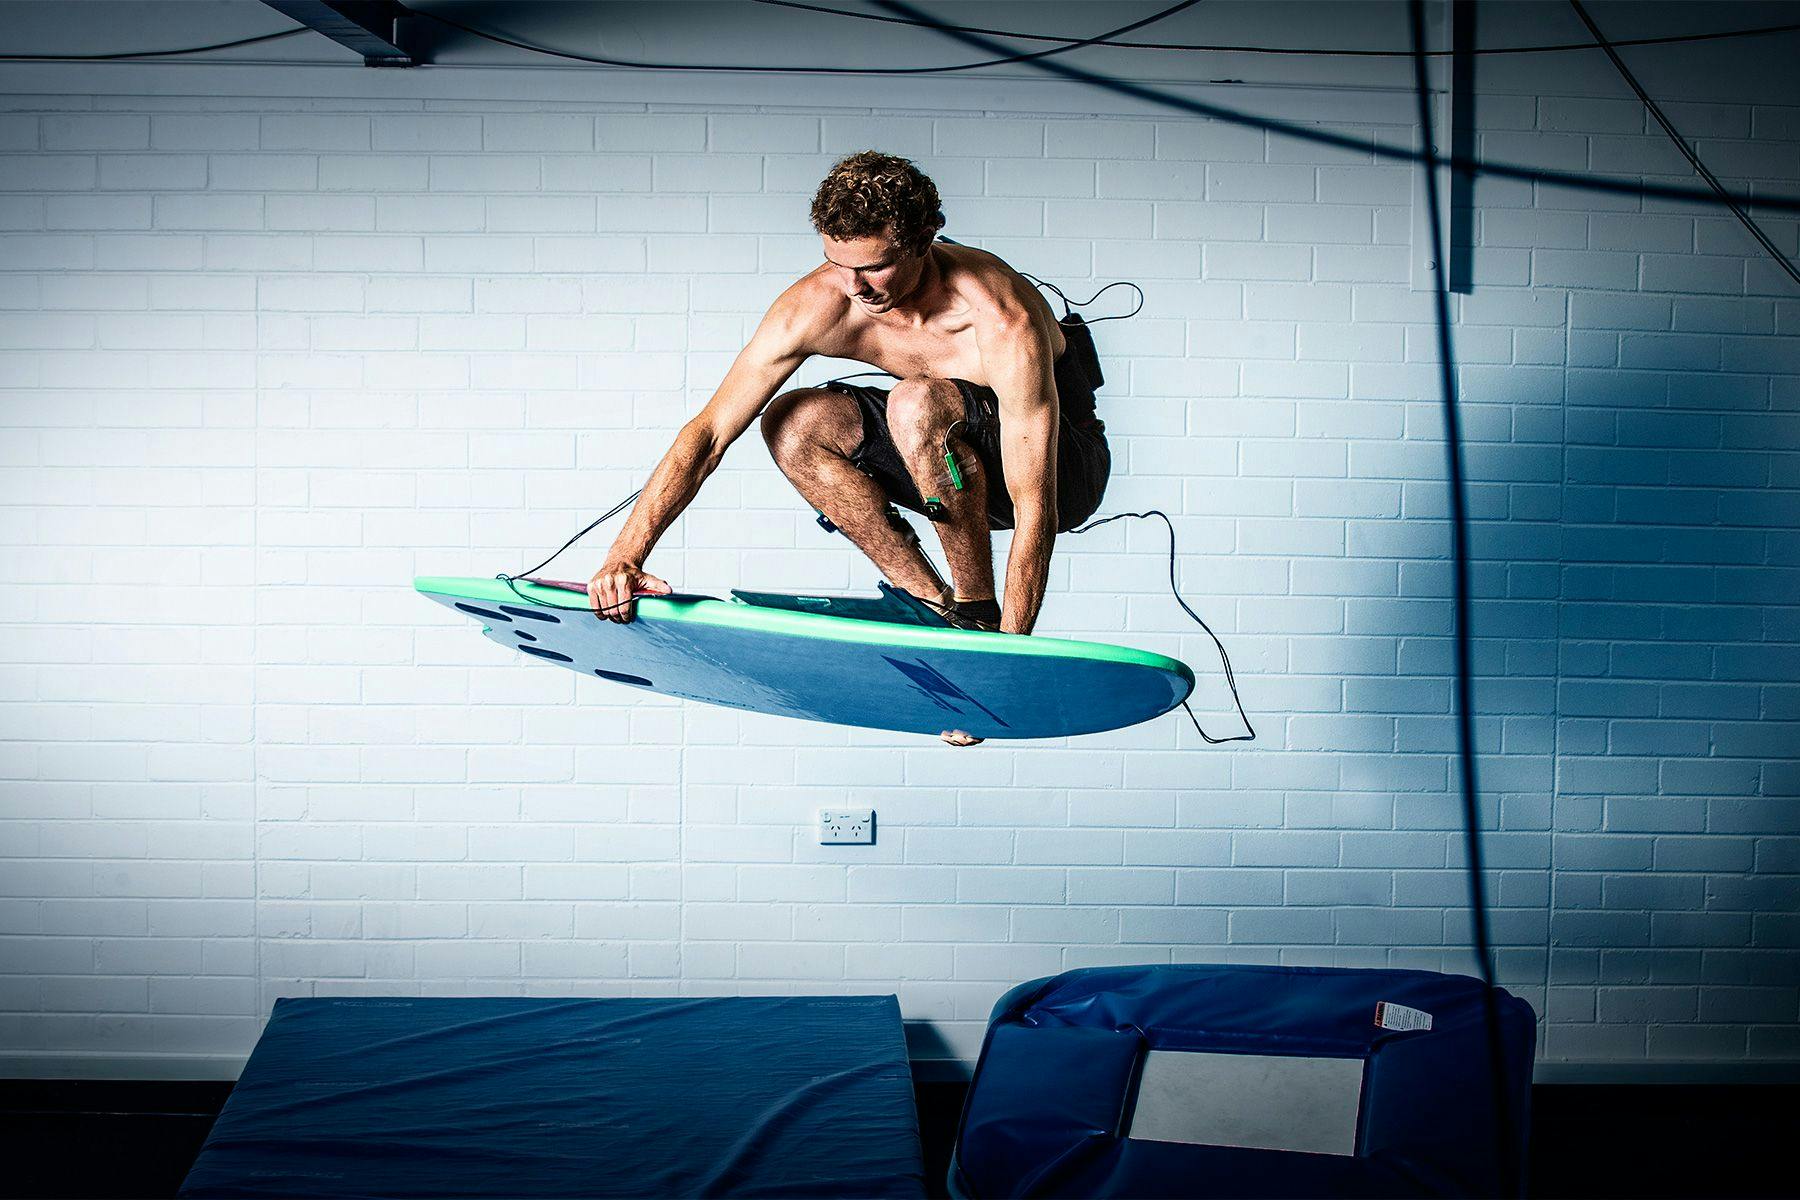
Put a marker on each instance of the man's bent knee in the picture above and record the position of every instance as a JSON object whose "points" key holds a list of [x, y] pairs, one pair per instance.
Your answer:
{"points": [[804, 418], [921, 410]]}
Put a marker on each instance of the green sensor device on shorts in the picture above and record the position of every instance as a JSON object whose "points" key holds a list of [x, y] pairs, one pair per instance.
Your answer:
{"points": [[956, 478]]}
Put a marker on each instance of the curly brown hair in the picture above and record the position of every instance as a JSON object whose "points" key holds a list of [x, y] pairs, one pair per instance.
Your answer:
{"points": [[871, 194]]}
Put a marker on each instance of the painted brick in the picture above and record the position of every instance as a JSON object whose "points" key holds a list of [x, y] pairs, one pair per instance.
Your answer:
{"points": [[333, 213], [429, 214], [1025, 177], [334, 131], [19, 131], [486, 173], [261, 172], [540, 214], [1209, 141], [324, 338], [212, 131], [982, 138], [426, 132], [751, 133], [1099, 139], [95, 131], [360, 172], [907, 137], [212, 212], [143, 172]]}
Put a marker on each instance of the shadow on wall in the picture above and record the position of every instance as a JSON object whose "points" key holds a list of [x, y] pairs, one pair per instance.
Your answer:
{"points": [[1636, 576], [1677, 834]]}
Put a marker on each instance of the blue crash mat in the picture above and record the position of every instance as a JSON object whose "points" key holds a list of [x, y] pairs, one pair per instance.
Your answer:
{"points": [[736, 1096], [1060, 1092]]}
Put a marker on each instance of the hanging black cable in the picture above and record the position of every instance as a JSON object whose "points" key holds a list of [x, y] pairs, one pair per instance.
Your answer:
{"points": [[1464, 699], [249, 41], [1325, 137], [1295, 51], [1004, 58], [1687, 151], [1069, 306]]}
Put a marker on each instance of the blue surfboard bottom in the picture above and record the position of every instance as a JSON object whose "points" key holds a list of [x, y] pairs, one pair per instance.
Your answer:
{"points": [[871, 674]]}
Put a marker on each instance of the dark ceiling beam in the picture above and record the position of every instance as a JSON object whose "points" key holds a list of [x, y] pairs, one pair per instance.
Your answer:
{"points": [[369, 27]]}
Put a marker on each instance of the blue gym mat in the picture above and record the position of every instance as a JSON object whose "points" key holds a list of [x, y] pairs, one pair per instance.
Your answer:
{"points": [[1059, 1092], [506, 1096]]}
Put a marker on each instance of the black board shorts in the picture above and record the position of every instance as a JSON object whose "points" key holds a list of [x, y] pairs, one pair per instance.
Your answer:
{"points": [[1083, 459]]}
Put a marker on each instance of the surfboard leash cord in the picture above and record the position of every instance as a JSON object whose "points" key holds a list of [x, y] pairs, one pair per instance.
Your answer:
{"points": [[513, 587]]}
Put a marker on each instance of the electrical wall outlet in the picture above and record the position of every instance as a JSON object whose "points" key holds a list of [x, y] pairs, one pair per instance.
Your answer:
{"points": [[846, 826]]}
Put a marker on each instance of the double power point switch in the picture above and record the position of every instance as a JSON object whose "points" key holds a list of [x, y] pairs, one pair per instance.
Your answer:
{"points": [[846, 826]]}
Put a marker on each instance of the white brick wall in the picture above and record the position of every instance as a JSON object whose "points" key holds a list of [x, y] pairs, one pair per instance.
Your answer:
{"points": [[262, 363]]}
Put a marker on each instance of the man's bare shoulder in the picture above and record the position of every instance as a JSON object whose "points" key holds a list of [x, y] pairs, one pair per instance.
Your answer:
{"points": [[808, 312], [997, 296]]}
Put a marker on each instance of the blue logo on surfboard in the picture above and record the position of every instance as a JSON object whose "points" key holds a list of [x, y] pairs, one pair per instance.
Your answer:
{"points": [[939, 690]]}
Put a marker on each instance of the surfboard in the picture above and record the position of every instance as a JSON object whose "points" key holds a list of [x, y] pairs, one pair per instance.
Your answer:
{"points": [[873, 662]]}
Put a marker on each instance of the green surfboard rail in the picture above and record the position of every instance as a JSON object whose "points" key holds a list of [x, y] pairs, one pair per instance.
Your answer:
{"points": [[735, 614]]}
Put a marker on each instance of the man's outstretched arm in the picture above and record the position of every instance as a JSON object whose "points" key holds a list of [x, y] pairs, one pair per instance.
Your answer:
{"points": [[774, 354], [1019, 369]]}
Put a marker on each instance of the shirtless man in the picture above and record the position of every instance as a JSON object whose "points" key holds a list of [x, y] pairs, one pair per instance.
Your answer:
{"points": [[986, 375]]}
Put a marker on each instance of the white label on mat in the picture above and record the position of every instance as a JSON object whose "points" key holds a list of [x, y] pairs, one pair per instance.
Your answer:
{"points": [[1389, 1015], [1261, 1101]]}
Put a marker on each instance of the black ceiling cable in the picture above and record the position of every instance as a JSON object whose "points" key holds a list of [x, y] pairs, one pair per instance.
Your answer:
{"points": [[1470, 166], [1326, 137], [1297, 51], [1105, 39], [249, 41], [1681, 143], [1464, 695], [1003, 57]]}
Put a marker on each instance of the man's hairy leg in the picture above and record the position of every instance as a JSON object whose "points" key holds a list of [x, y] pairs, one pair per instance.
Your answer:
{"points": [[921, 414], [811, 433]]}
